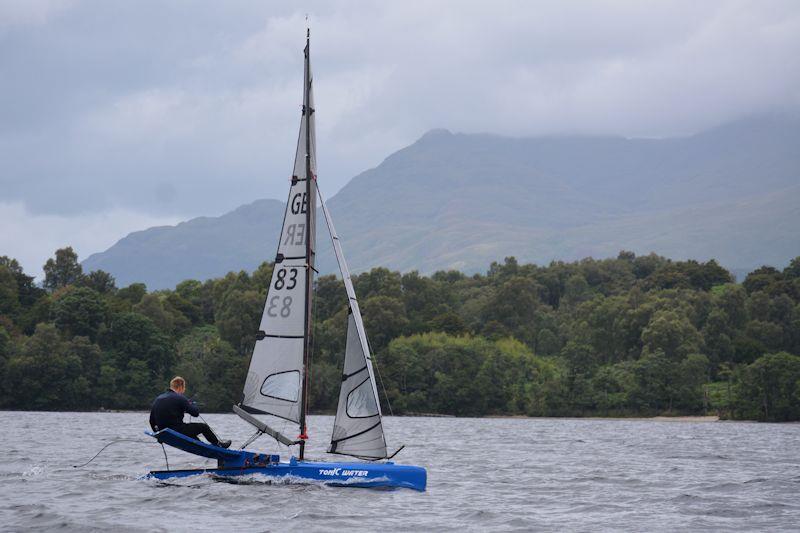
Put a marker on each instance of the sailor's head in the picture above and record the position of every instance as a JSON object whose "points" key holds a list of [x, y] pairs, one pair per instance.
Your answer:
{"points": [[178, 384]]}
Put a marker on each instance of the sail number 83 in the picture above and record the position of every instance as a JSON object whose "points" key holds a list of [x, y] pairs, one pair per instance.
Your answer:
{"points": [[285, 278], [281, 281]]}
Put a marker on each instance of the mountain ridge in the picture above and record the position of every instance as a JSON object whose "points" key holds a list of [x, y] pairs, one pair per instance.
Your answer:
{"points": [[454, 200]]}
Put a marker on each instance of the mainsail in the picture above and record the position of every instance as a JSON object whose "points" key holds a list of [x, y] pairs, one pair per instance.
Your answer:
{"points": [[357, 429], [276, 379]]}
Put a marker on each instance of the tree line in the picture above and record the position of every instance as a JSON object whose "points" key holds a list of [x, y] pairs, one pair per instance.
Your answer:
{"points": [[630, 336]]}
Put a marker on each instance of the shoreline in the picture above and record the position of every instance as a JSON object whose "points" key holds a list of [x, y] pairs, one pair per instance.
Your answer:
{"points": [[658, 418]]}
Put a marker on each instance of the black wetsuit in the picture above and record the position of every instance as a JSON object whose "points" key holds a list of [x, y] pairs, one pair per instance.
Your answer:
{"points": [[167, 412]]}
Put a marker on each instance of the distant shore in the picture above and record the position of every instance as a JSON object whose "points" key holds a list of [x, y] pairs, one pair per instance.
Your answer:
{"points": [[708, 418], [659, 418]]}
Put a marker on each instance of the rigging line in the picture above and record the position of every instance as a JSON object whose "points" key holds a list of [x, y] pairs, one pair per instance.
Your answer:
{"points": [[283, 429], [200, 416], [252, 439], [165, 454], [377, 368], [313, 338], [383, 387], [109, 444]]}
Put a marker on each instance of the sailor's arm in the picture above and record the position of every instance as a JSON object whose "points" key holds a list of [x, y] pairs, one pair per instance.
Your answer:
{"points": [[190, 407]]}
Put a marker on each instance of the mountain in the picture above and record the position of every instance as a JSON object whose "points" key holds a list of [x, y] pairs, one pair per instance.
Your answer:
{"points": [[201, 248], [463, 200]]}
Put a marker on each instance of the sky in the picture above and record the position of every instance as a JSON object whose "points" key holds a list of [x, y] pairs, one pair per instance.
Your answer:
{"points": [[118, 116]]}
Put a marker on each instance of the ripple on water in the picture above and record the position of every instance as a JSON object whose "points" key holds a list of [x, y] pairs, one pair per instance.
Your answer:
{"points": [[35, 471], [549, 475]]}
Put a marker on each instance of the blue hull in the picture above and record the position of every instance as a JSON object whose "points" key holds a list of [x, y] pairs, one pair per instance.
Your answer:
{"points": [[367, 475], [232, 463]]}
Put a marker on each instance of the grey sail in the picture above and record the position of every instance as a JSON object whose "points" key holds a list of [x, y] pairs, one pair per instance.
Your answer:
{"points": [[357, 429], [275, 382]]}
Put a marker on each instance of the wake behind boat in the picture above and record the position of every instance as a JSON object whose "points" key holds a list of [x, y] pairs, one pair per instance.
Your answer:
{"points": [[276, 387]]}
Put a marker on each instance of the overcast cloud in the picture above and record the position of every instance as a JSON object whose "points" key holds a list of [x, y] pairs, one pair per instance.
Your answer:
{"points": [[119, 115]]}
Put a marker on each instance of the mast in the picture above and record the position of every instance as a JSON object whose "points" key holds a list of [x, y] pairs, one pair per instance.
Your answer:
{"points": [[311, 199], [277, 382]]}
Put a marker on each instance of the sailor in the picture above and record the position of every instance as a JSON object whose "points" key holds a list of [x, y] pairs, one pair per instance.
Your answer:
{"points": [[169, 407]]}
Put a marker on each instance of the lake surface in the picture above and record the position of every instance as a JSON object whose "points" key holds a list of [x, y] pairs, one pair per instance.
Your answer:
{"points": [[483, 474]]}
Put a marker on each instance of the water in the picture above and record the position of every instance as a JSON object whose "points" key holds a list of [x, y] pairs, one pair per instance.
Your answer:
{"points": [[483, 474]]}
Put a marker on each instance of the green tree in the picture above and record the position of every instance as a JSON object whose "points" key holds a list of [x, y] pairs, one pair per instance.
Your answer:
{"points": [[612, 385], [502, 272], [762, 279], [668, 276], [378, 282], [732, 300], [27, 291], [645, 265], [672, 334], [692, 375], [237, 318], [5, 342], [767, 334], [214, 372], [100, 281], [576, 290], [769, 389], [704, 276], [152, 307], [185, 313], [424, 299], [133, 293], [654, 389], [514, 305], [5, 349], [330, 297], [134, 336], [139, 384], [605, 322], [109, 384], [384, 319], [9, 296], [449, 322], [436, 372], [90, 357], [79, 311], [44, 375], [793, 270], [262, 276], [325, 379], [717, 336], [62, 270]]}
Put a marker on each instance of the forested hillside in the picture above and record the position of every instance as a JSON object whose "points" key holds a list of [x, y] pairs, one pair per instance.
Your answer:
{"points": [[626, 336]]}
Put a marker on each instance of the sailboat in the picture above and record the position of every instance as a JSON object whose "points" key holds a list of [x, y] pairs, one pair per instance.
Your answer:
{"points": [[277, 383]]}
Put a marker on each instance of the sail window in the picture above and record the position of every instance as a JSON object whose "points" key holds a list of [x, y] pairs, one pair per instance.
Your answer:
{"points": [[282, 386], [361, 401]]}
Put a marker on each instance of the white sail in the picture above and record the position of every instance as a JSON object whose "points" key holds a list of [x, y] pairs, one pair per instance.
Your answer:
{"points": [[357, 429], [275, 382], [275, 379]]}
